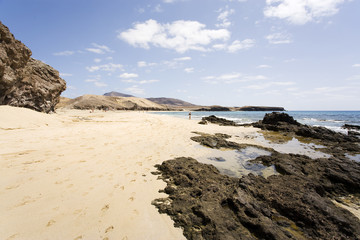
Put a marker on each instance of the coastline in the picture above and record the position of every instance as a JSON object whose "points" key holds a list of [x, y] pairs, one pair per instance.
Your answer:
{"points": [[81, 175]]}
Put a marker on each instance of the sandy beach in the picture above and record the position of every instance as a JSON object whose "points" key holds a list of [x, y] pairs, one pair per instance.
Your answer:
{"points": [[82, 175]]}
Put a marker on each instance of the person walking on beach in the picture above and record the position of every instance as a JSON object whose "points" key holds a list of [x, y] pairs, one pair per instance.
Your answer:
{"points": [[189, 115]]}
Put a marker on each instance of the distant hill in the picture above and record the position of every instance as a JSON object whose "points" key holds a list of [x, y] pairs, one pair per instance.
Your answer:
{"points": [[117, 94], [172, 102], [108, 102], [259, 108]]}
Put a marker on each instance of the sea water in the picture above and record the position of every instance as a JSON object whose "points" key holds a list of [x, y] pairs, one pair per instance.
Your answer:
{"points": [[236, 163], [333, 120]]}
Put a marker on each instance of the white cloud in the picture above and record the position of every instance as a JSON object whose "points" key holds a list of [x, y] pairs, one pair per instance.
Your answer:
{"points": [[158, 8], [99, 49], [182, 59], [290, 60], [233, 78], [179, 35], [97, 60], [263, 66], [135, 90], [100, 84], [148, 81], [96, 80], [236, 45], [356, 65], [145, 64], [223, 17], [129, 75], [269, 84], [189, 70], [64, 53], [301, 11], [110, 67], [279, 38], [240, 45], [140, 82]]}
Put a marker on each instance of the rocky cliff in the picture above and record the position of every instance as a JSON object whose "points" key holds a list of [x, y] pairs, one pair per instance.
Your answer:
{"points": [[24, 81]]}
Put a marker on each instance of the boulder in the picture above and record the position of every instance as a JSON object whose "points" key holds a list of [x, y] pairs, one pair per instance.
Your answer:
{"points": [[277, 117], [24, 81], [217, 120]]}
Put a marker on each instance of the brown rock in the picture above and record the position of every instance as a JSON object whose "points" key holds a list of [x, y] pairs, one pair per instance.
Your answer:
{"points": [[24, 81]]}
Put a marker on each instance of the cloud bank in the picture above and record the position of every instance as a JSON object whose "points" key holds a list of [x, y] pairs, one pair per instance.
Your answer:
{"points": [[180, 36]]}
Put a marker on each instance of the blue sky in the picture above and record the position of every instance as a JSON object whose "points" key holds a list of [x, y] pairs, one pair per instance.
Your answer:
{"points": [[299, 54]]}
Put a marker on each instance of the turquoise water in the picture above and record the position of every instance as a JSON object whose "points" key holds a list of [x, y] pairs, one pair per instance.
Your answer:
{"points": [[331, 119]]}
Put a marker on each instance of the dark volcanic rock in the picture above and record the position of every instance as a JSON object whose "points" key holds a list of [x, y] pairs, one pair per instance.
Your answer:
{"points": [[259, 108], [351, 127], [217, 120], [336, 143], [208, 205], [24, 81], [296, 204], [276, 118]]}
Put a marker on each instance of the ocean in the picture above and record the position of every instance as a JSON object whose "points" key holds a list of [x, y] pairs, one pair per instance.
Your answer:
{"points": [[333, 120]]}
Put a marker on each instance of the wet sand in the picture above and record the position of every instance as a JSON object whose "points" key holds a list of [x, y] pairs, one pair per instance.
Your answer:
{"points": [[81, 175]]}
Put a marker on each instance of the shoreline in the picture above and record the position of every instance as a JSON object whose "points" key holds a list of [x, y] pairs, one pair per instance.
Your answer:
{"points": [[81, 175]]}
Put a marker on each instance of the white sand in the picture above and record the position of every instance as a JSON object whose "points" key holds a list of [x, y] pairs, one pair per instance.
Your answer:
{"points": [[81, 175]]}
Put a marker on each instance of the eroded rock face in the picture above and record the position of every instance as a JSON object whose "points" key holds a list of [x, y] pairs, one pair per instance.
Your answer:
{"points": [[24, 81]]}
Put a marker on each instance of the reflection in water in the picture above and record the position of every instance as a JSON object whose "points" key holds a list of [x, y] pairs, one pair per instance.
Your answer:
{"points": [[289, 144], [236, 163]]}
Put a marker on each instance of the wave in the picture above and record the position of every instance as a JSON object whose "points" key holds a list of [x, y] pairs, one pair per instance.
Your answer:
{"points": [[323, 120]]}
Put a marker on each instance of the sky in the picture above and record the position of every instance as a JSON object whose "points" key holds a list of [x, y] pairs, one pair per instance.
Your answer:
{"points": [[297, 54]]}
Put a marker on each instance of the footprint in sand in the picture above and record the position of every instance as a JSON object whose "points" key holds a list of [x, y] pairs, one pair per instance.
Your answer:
{"points": [[51, 222], [12, 187], [131, 199], [105, 208], [78, 238], [109, 229], [139, 163]]}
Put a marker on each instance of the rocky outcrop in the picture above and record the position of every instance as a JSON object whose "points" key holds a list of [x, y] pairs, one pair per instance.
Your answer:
{"points": [[259, 108], [217, 120], [351, 127], [24, 81], [294, 205], [336, 143], [301, 202]]}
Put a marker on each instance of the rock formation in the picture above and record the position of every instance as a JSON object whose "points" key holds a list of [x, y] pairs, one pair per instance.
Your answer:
{"points": [[301, 202], [217, 120], [259, 108], [24, 81]]}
